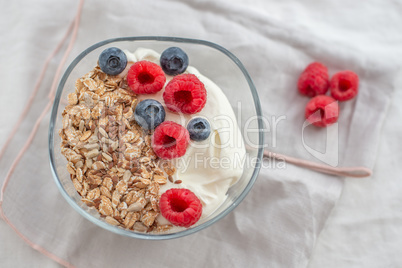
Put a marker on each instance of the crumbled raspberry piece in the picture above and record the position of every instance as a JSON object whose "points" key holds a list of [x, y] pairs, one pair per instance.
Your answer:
{"points": [[170, 140], [322, 111], [185, 93], [145, 77], [344, 85], [181, 207], [314, 80]]}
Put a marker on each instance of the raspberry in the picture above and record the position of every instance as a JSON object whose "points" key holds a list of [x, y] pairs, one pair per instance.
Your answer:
{"points": [[170, 140], [314, 80], [145, 77], [185, 93], [344, 85], [322, 111], [180, 206]]}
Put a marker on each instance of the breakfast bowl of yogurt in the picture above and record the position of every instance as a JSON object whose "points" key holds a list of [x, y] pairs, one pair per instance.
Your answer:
{"points": [[155, 137]]}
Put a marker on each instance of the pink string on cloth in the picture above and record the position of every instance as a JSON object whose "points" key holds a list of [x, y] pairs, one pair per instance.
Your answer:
{"points": [[51, 93], [74, 27], [35, 91], [355, 172]]}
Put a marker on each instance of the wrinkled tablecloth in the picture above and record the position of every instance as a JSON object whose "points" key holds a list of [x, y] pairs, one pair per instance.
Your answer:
{"points": [[281, 222]]}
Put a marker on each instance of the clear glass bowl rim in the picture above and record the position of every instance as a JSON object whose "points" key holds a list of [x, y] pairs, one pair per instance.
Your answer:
{"points": [[146, 236]]}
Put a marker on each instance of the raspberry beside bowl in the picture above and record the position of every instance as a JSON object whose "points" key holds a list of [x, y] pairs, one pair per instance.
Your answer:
{"points": [[227, 72]]}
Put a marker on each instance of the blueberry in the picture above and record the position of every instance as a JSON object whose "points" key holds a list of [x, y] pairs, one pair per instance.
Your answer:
{"points": [[112, 61], [149, 114], [199, 129], [174, 61]]}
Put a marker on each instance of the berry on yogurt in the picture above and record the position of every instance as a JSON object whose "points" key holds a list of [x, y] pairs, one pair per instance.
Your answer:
{"points": [[174, 61], [170, 140], [145, 77], [185, 93], [112, 61], [199, 129], [181, 207], [149, 114]]}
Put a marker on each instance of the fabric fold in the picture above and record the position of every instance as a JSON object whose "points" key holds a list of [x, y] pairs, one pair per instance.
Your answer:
{"points": [[278, 223]]}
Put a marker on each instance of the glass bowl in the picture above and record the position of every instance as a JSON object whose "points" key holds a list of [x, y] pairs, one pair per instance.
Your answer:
{"points": [[227, 72]]}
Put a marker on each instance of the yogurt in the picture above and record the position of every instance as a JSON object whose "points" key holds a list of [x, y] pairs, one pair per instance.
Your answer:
{"points": [[211, 166]]}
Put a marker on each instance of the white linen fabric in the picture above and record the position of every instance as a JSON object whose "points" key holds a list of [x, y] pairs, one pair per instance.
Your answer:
{"points": [[279, 222]]}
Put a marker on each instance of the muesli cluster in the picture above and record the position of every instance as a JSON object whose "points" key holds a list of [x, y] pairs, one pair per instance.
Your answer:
{"points": [[110, 158]]}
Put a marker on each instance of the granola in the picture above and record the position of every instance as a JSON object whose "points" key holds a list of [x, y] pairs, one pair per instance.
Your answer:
{"points": [[110, 159]]}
